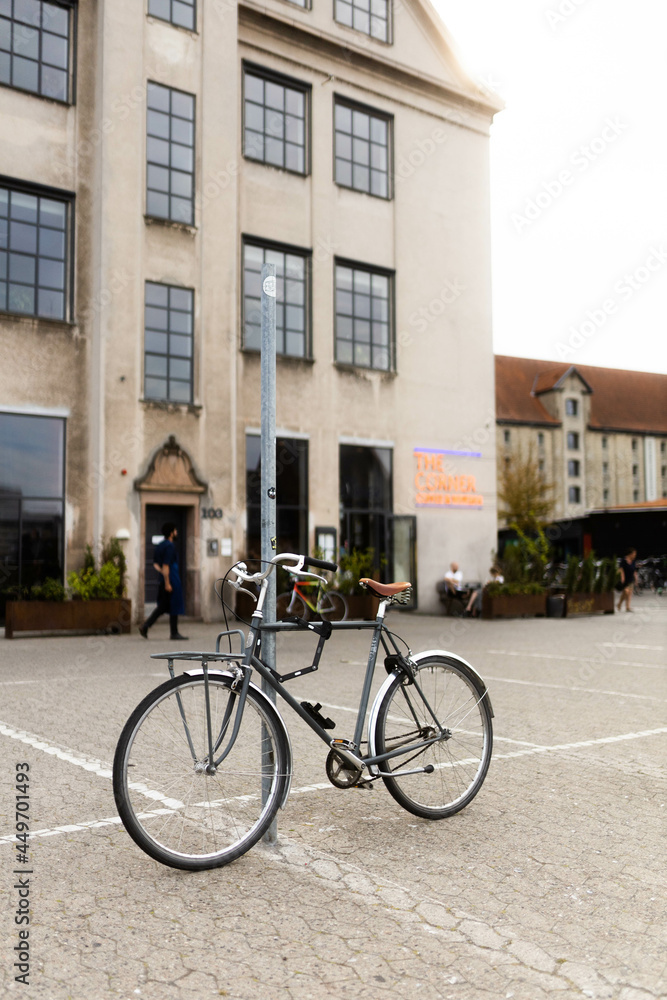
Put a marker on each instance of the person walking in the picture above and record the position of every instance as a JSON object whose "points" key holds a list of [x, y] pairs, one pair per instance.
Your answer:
{"points": [[629, 570], [170, 592]]}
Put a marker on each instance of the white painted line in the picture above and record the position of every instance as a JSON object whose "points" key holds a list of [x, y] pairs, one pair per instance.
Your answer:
{"points": [[628, 645], [115, 820], [578, 659], [98, 767], [570, 687]]}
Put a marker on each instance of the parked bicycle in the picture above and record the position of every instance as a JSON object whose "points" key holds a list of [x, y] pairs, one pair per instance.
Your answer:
{"points": [[312, 595], [204, 762]]}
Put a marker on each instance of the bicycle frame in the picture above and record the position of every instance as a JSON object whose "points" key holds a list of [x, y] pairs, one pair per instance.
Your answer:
{"points": [[350, 750]]}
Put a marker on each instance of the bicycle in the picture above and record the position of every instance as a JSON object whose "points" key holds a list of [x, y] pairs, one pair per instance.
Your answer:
{"points": [[330, 605], [204, 762]]}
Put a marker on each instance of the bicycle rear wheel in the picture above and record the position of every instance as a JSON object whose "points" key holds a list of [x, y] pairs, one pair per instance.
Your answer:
{"points": [[333, 607], [460, 760], [175, 811]]}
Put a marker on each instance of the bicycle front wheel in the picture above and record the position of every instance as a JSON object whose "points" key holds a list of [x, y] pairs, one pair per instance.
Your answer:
{"points": [[333, 607], [460, 760], [175, 811], [291, 604]]}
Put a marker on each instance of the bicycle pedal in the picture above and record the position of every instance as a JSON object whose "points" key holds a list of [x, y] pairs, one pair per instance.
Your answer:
{"points": [[314, 713]]}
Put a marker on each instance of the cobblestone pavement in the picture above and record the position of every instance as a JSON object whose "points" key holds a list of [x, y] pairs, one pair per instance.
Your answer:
{"points": [[551, 882]]}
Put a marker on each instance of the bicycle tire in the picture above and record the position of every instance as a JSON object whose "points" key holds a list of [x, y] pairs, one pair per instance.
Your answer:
{"points": [[298, 606], [176, 813], [333, 607], [460, 762]]}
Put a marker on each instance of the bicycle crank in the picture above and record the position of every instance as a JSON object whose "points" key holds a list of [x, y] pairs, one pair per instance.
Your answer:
{"points": [[340, 772]]}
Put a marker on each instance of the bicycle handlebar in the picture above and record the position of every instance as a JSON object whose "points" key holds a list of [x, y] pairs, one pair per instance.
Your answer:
{"points": [[320, 564]]}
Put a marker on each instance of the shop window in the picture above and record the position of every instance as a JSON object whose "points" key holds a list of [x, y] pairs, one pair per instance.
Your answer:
{"points": [[372, 17], [291, 495], [168, 343], [34, 252], [36, 47], [362, 149], [292, 297], [182, 13], [170, 154], [275, 115], [364, 319], [32, 500], [366, 498]]}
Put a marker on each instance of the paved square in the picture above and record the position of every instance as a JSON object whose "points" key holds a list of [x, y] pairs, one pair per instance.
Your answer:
{"points": [[551, 882]]}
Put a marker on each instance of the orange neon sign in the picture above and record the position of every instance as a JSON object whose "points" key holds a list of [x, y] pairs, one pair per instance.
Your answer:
{"points": [[437, 486]]}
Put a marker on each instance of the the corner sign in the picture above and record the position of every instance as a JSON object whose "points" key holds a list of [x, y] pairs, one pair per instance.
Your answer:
{"points": [[440, 479]]}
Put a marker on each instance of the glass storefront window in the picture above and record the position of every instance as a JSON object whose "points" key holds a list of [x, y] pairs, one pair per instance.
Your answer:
{"points": [[32, 499], [366, 501], [291, 495]]}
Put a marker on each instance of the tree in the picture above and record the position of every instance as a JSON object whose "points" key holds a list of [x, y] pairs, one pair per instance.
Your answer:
{"points": [[526, 498]]}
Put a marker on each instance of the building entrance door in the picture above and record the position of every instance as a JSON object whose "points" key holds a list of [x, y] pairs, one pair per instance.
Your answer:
{"points": [[156, 516]]}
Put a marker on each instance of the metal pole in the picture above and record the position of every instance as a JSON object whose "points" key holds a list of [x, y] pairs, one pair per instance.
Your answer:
{"points": [[268, 488]]}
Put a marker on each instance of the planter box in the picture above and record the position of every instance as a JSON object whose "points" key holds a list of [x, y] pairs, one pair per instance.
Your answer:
{"points": [[514, 606], [589, 604], [361, 607], [60, 616]]}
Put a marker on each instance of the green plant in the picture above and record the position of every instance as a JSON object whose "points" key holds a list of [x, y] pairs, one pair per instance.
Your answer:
{"points": [[112, 552], [587, 574], [524, 563], [88, 560], [513, 589], [49, 590], [354, 566], [526, 498], [571, 575], [89, 585]]}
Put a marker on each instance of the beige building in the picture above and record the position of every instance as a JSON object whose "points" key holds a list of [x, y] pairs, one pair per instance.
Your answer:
{"points": [[598, 434], [154, 155]]}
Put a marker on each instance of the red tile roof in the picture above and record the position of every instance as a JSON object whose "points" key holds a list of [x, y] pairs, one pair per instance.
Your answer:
{"points": [[620, 400]]}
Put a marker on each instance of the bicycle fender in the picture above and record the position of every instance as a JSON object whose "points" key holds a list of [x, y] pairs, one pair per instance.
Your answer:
{"points": [[429, 654], [445, 654], [261, 697]]}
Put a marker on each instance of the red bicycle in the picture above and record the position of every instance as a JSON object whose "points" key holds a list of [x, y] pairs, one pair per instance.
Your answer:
{"points": [[330, 605]]}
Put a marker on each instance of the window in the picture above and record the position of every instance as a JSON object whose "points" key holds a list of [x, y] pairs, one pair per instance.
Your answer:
{"points": [[635, 496], [182, 13], [571, 407], [362, 150], [369, 16], [170, 151], [635, 473], [301, 3], [540, 466], [35, 47], [506, 436], [34, 251], [662, 447], [573, 467], [274, 120], [574, 494], [605, 468], [168, 343], [366, 500], [291, 495], [605, 495], [363, 317], [573, 440], [292, 298], [663, 471], [540, 439], [634, 444], [604, 442], [32, 499]]}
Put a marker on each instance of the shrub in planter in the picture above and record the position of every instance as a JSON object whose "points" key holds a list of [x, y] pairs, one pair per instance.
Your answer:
{"points": [[89, 585]]}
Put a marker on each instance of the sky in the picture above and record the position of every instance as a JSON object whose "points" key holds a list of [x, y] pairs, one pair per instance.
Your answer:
{"points": [[578, 174]]}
